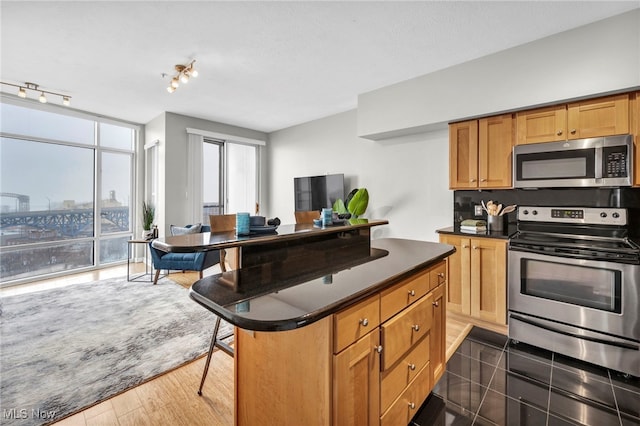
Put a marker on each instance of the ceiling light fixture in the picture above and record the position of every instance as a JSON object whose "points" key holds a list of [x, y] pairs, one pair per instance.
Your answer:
{"points": [[185, 72], [22, 92]]}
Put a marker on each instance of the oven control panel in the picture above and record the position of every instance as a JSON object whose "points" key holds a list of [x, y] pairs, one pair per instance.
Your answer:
{"points": [[587, 215]]}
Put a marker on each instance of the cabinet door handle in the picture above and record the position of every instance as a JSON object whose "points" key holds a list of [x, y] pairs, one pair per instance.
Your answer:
{"points": [[472, 180], [364, 322], [573, 131], [416, 327], [465, 246], [476, 247], [436, 304], [412, 367], [412, 293], [559, 132], [378, 349], [483, 180], [412, 405]]}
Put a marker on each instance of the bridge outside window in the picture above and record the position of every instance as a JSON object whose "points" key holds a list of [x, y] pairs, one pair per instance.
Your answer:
{"points": [[65, 191]]}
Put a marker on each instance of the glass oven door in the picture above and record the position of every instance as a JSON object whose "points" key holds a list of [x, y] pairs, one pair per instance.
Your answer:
{"points": [[597, 295], [575, 284]]}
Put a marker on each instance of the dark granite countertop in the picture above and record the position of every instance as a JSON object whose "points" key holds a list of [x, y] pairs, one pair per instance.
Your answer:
{"points": [[205, 241], [267, 304], [503, 235]]}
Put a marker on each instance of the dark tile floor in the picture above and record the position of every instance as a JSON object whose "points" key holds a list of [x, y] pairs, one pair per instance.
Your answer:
{"points": [[491, 381]]}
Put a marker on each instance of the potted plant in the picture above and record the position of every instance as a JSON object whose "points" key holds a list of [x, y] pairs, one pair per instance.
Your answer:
{"points": [[148, 213], [355, 204]]}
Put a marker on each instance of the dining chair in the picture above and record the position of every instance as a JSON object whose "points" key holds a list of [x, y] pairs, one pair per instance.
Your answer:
{"points": [[224, 223], [307, 216]]}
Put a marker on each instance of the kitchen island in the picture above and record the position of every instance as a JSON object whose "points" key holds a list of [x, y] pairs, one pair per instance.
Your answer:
{"points": [[334, 328]]}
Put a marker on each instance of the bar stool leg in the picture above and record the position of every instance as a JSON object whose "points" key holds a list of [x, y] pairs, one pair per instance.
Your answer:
{"points": [[211, 347]]}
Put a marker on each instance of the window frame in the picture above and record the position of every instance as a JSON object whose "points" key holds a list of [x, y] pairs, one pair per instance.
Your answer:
{"points": [[98, 151]]}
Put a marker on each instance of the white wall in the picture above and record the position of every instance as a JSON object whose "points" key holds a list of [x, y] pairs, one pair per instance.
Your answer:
{"points": [[407, 176], [602, 57], [171, 130], [407, 179]]}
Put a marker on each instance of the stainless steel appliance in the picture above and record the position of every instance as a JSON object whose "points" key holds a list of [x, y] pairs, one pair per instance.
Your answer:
{"points": [[594, 162], [574, 285]]}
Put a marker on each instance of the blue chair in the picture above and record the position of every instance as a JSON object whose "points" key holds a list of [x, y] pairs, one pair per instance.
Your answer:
{"points": [[196, 261]]}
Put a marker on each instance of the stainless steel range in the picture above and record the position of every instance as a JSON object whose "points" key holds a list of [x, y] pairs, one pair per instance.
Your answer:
{"points": [[574, 285]]}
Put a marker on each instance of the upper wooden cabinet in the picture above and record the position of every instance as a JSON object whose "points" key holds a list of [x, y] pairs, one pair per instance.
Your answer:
{"points": [[541, 125], [480, 153], [585, 119], [635, 130]]}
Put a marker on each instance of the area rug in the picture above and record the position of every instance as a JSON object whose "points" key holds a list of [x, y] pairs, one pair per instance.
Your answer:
{"points": [[65, 349]]}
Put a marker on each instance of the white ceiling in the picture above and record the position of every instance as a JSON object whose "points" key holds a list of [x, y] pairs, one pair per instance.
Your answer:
{"points": [[263, 65]]}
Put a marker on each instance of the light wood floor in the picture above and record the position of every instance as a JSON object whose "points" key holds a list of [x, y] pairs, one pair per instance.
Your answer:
{"points": [[172, 399]]}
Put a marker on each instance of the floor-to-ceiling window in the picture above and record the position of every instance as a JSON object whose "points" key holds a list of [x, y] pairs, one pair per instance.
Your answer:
{"points": [[230, 178], [66, 185]]}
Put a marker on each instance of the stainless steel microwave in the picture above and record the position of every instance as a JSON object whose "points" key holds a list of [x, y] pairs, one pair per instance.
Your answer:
{"points": [[593, 162]]}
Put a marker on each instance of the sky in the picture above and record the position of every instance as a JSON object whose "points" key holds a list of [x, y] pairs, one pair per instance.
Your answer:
{"points": [[52, 173]]}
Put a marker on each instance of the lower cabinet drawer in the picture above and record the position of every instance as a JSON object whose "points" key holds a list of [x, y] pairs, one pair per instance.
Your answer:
{"points": [[401, 295], [404, 330], [356, 321], [406, 406], [395, 380]]}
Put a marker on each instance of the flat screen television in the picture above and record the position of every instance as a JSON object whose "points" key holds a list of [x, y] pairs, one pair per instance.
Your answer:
{"points": [[317, 192]]}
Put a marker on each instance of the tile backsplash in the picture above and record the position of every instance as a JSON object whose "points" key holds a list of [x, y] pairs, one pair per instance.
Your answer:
{"points": [[465, 202]]}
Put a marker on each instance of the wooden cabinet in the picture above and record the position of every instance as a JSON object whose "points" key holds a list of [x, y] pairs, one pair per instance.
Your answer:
{"points": [[355, 322], [412, 340], [480, 153], [577, 120], [404, 331], [635, 126], [463, 155], [477, 277], [369, 364], [438, 349], [356, 396], [406, 406], [541, 125]]}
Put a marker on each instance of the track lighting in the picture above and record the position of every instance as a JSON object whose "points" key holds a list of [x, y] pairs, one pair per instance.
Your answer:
{"points": [[22, 92], [185, 72]]}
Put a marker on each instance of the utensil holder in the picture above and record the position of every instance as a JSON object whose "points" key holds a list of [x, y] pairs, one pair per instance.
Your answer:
{"points": [[495, 223]]}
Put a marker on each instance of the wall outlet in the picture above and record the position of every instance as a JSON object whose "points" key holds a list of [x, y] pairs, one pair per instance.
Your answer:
{"points": [[477, 210]]}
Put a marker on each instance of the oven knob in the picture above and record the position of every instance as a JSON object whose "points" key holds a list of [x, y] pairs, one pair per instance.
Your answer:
{"points": [[615, 215], [603, 215], [535, 212], [526, 212]]}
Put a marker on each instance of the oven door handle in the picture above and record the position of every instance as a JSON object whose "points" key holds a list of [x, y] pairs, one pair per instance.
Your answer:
{"points": [[566, 333], [547, 253]]}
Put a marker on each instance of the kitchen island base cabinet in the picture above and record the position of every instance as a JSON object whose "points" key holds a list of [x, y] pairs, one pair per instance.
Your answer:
{"points": [[283, 378], [357, 388], [355, 367]]}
